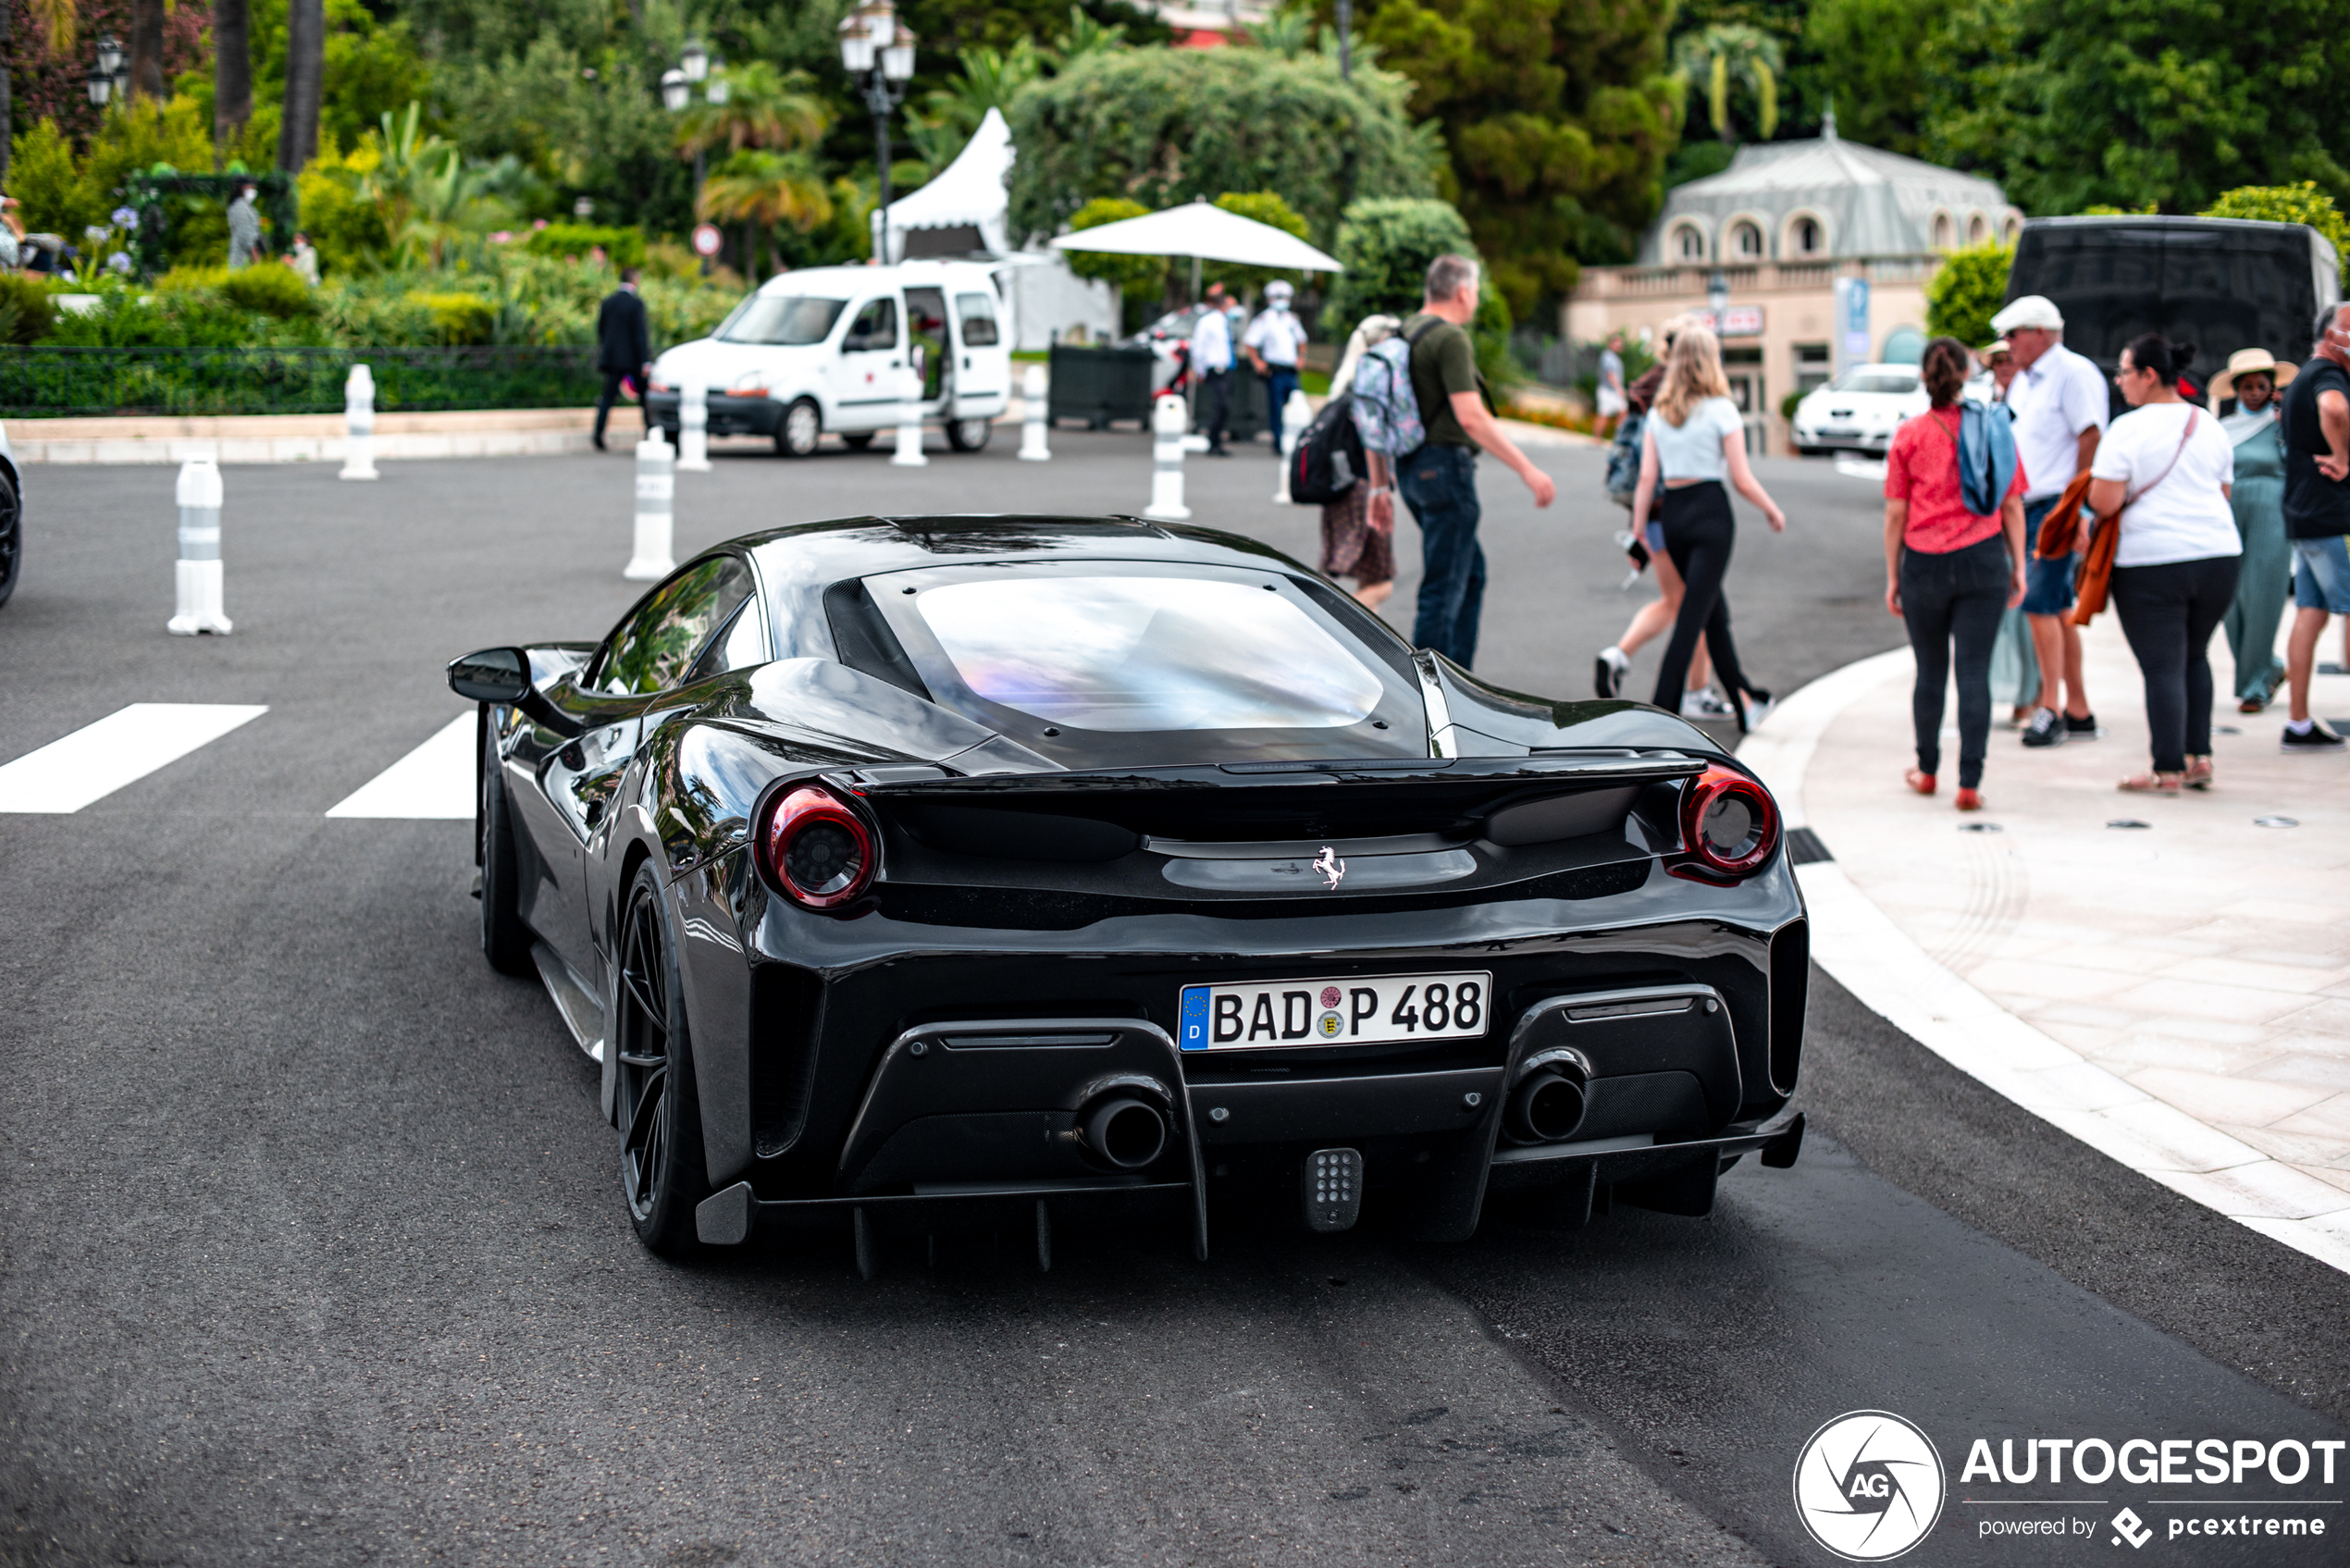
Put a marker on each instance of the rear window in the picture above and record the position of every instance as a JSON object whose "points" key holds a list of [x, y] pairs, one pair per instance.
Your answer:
{"points": [[781, 320], [1875, 381], [1135, 653], [978, 313]]}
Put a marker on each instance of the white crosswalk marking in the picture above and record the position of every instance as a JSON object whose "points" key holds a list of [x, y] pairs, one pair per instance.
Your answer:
{"points": [[436, 781], [120, 749]]}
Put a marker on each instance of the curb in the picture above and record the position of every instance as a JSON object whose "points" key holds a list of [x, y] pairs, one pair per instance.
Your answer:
{"points": [[1893, 977]]}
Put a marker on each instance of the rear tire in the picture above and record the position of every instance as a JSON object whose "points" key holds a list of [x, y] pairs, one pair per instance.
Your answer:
{"points": [[11, 536], [969, 435], [801, 427], [505, 940], [664, 1173]]}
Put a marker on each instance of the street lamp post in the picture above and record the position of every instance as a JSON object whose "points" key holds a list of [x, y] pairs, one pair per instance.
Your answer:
{"points": [[1717, 300], [694, 68], [878, 49]]}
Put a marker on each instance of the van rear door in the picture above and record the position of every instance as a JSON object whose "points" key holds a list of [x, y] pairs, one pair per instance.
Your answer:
{"points": [[983, 358]]}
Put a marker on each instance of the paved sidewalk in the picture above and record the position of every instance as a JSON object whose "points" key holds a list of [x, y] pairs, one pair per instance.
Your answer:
{"points": [[2177, 993]]}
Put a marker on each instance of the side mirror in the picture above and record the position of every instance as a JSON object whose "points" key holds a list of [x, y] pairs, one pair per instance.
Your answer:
{"points": [[494, 675]]}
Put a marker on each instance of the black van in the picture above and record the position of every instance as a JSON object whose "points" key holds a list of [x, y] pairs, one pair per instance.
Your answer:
{"points": [[2221, 284]]}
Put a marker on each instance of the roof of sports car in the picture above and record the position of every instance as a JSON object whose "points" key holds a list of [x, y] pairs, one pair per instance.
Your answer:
{"points": [[851, 547]]}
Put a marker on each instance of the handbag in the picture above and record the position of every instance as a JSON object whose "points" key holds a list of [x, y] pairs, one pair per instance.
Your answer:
{"points": [[2097, 564]]}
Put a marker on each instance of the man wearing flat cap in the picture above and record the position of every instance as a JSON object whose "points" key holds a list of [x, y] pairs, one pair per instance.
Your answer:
{"points": [[2058, 401]]}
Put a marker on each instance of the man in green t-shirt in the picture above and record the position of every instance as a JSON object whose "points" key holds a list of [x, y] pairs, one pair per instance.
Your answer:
{"points": [[1439, 481]]}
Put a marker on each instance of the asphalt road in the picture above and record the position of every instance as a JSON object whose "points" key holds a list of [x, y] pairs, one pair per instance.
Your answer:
{"points": [[311, 1246]]}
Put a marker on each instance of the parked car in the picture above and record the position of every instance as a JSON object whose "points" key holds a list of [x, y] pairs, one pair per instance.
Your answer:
{"points": [[1859, 410], [928, 874], [11, 519], [2221, 284], [826, 349]]}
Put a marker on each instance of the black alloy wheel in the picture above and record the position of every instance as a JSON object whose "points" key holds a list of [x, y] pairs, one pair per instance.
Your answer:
{"points": [[505, 940], [661, 1169], [11, 536], [859, 441], [969, 435], [801, 427]]}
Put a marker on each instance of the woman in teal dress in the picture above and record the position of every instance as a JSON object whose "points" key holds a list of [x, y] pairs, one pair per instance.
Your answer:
{"points": [[2252, 376]]}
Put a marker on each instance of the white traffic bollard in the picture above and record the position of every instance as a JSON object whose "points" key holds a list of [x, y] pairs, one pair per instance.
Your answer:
{"points": [[656, 493], [1168, 419], [1296, 416], [359, 411], [199, 569], [693, 427], [909, 423], [1031, 429]]}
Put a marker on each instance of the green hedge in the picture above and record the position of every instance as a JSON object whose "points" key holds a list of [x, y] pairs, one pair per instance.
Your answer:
{"points": [[626, 247], [56, 383]]}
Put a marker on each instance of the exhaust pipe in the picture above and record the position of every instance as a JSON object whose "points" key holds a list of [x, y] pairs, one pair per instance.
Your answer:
{"points": [[1547, 1106], [1127, 1132]]}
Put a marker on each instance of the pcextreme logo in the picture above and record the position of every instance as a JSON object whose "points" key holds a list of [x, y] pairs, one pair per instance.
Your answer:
{"points": [[1869, 1486]]}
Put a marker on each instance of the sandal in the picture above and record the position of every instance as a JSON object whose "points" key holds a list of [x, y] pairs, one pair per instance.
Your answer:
{"points": [[1970, 800], [2198, 773], [2151, 784], [1919, 780]]}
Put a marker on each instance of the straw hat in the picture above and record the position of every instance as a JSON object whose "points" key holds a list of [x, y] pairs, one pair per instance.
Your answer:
{"points": [[1993, 349], [2245, 362]]}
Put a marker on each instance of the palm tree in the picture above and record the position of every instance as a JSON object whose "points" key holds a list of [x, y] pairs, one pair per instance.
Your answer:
{"points": [[1734, 50], [765, 107], [410, 158], [762, 189]]}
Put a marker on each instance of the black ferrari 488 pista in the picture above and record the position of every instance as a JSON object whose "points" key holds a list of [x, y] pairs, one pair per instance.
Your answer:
{"points": [[916, 874]]}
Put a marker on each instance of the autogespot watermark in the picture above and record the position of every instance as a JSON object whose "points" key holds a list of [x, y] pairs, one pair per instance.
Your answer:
{"points": [[1869, 1484]]}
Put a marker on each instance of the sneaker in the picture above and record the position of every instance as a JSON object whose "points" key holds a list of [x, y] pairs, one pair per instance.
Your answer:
{"points": [[2318, 737], [2083, 728], [1608, 670], [1704, 704], [1757, 707], [2047, 728]]}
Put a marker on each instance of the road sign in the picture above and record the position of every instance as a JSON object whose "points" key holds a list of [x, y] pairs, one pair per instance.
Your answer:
{"points": [[707, 238]]}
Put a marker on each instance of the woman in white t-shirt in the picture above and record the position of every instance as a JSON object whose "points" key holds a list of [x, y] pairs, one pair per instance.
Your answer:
{"points": [[2168, 468], [1692, 440]]}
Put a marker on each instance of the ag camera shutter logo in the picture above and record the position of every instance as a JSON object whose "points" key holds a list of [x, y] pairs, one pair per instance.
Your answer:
{"points": [[1869, 1486]]}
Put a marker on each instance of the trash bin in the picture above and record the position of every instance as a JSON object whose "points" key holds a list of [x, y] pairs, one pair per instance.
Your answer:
{"points": [[1098, 384]]}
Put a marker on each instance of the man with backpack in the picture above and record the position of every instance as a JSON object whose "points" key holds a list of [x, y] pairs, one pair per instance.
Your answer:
{"points": [[1438, 474]]}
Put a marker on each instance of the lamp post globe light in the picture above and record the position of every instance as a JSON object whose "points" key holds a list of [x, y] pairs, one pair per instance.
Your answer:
{"points": [[674, 89], [879, 50], [109, 55], [100, 85], [1717, 300], [694, 60]]}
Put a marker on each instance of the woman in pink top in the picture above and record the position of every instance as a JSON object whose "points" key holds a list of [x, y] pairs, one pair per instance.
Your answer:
{"points": [[1949, 572]]}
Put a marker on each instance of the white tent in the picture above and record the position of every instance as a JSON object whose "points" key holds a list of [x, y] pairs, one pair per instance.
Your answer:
{"points": [[1205, 231], [963, 210]]}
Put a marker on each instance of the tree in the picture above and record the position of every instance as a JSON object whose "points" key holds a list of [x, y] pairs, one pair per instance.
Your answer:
{"points": [[1386, 247], [1162, 125], [764, 189], [231, 71], [1872, 64], [1138, 278], [1558, 115], [306, 83], [765, 107], [2290, 204], [2068, 103], [1966, 294], [1266, 207], [1722, 54]]}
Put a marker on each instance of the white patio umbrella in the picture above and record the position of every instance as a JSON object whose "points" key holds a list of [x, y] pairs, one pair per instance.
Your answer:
{"points": [[1204, 232]]}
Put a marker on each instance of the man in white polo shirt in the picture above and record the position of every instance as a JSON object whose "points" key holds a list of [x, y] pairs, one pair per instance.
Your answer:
{"points": [[2058, 400]]}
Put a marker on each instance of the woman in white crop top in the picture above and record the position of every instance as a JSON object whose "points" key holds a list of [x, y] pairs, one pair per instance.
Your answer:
{"points": [[1692, 440]]}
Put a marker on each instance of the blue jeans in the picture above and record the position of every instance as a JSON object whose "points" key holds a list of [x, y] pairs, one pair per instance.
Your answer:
{"points": [[1439, 482], [1279, 382]]}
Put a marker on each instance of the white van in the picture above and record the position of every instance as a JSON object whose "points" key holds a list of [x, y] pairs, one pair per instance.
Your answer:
{"points": [[825, 349]]}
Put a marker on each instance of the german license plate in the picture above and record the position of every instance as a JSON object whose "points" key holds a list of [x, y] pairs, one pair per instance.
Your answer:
{"points": [[1293, 1014]]}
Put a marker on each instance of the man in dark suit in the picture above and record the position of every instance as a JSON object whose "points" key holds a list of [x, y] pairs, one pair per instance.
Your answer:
{"points": [[623, 346]]}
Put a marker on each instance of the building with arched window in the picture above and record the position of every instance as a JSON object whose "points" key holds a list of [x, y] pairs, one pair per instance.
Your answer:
{"points": [[1779, 227]]}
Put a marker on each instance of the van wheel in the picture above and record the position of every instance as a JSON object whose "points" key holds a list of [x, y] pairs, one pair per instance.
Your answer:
{"points": [[968, 435], [857, 442], [802, 428]]}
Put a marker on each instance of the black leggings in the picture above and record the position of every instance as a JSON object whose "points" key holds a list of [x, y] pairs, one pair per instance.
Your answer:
{"points": [[2169, 614], [1956, 597], [1698, 534]]}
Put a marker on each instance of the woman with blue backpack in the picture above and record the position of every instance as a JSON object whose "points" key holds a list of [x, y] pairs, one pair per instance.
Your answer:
{"points": [[1953, 559]]}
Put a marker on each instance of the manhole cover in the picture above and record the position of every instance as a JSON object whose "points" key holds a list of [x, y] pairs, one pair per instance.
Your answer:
{"points": [[2127, 822], [1981, 827], [2276, 822]]}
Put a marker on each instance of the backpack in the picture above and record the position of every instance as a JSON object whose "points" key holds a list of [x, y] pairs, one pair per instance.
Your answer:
{"points": [[1986, 457], [1327, 460], [1623, 460], [1386, 412]]}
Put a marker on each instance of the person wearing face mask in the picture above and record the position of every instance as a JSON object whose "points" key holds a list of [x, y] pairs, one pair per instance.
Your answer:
{"points": [[2251, 379]]}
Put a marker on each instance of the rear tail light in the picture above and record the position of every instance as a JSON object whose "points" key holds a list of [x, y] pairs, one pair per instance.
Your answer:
{"points": [[1728, 823], [816, 850]]}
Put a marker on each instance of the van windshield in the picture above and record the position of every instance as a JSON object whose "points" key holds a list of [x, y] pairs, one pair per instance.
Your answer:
{"points": [[785, 320]]}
